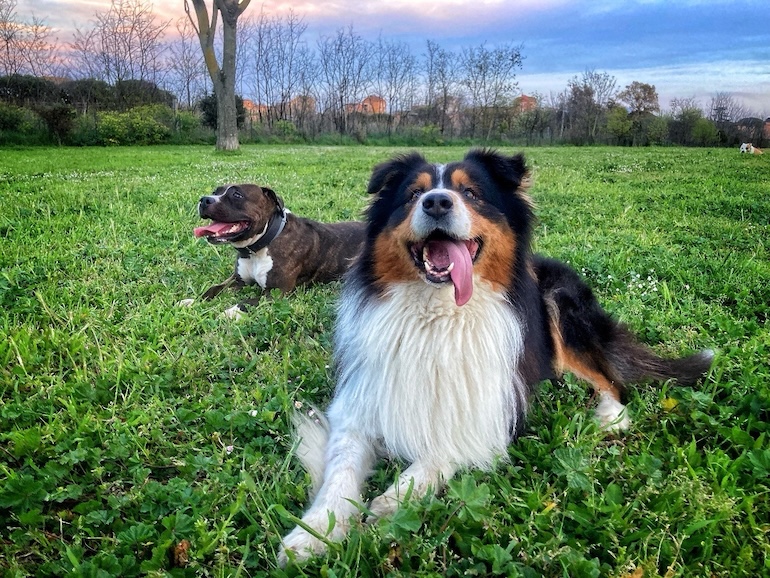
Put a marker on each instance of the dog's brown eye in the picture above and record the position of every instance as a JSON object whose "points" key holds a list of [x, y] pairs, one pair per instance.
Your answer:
{"points": [[415, 193], [237, 194]]}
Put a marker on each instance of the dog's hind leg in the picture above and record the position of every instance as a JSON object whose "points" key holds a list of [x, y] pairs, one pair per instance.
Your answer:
{"points": [[596, 348]]}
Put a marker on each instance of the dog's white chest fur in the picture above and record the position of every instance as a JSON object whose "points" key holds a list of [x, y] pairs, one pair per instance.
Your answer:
{"points": [[254, 269], [430, 380]]}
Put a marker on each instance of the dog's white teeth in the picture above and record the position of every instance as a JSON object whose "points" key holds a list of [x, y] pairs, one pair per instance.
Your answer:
{"points": [[451, 266]]}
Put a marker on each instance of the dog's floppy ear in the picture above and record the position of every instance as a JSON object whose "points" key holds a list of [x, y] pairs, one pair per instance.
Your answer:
{"points": [[398, 166], [273, 197], [510, 172]]}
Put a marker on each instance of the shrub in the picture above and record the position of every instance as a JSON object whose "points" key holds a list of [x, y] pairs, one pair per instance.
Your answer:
{"points": [[135, 127], [21, 126], [60, 120], [85, 131], [11, 117]]}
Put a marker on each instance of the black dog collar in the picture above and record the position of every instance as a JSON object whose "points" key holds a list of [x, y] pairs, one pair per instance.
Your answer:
{"points": [[274, 228]]}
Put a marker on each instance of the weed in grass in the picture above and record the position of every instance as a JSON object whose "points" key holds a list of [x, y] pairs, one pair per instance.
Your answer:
{"points": [[138, 438]]}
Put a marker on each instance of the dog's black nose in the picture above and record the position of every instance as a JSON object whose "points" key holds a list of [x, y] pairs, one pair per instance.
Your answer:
{"points": [[204, 203], [437, 204]]}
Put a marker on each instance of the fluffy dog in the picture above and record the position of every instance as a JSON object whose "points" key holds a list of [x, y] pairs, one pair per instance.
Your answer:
{"points": [[445, 325], [276, 249]]}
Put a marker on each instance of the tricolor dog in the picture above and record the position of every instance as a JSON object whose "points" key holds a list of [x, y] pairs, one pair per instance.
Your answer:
{"points": [[276, 249], [445, 326]]}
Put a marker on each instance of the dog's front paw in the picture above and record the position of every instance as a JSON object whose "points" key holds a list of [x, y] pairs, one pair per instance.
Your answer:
{"points": [[235, 313], [383, 506], [298, 546]]}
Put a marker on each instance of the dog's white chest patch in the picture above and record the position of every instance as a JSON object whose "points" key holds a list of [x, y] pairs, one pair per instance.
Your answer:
{"points": [[432, 380], [255, 268]]}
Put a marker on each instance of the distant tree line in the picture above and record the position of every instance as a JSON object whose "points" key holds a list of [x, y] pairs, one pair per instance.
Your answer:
{"points": [[125, 78]]}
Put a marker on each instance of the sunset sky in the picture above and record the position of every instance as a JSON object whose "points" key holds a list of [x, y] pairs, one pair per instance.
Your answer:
{"points": [[690, 48]]}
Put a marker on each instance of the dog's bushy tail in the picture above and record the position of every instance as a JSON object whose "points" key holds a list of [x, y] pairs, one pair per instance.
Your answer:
{"points": [[596, 346], [312, 432], [631, 361]]}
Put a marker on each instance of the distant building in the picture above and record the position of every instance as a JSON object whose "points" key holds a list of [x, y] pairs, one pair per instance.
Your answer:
{"points": [[302, 106], [372, 104], [525, 103], [254, 112]]}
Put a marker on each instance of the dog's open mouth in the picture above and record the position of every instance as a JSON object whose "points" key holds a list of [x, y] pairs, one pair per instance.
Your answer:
{"points": [[216, 232], [443, 259]]}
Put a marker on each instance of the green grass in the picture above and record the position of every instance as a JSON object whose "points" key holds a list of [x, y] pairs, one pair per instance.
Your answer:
{"points": [[129, 425]]}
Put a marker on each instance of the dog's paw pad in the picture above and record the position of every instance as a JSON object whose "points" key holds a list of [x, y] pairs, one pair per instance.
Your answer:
{"points": [[233, 313], [185, 303], [612, 415]]}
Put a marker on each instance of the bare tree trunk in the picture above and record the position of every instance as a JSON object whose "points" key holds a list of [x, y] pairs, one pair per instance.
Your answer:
{"points": [[223, 78]]}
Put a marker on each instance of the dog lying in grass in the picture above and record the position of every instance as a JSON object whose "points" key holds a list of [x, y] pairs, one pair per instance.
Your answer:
{"points": [[446, 324], [749, 148], [276, 249]]}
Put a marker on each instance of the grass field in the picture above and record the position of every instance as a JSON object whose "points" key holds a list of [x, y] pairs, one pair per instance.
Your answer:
{"points": [[140, 438]]}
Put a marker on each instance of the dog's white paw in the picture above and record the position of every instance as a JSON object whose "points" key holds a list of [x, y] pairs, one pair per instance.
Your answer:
{"points": [[185, 303], [612, 415], [383, 506], [233, 313], [301, 544]]}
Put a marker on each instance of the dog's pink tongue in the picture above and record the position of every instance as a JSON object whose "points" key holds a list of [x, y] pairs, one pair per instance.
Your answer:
{"points": [[211, 229], [462, 273]]}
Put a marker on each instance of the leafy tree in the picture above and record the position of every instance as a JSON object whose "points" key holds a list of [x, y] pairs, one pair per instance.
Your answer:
{"points": [[620, 124], [641, 98], [132, 93], [686, 113], [26, 90], [89, 95], [705, 133], [642, 101], [657, 130]]}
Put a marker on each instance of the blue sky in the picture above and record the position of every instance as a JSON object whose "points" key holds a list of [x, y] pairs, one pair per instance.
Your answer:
{"points": [[690, 48]]}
